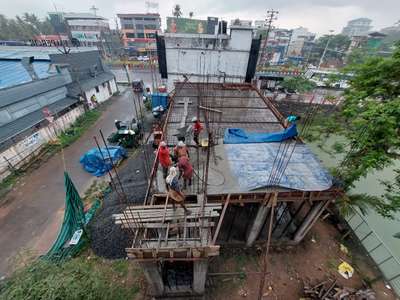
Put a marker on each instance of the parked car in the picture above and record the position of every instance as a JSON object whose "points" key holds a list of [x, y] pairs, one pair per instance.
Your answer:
{"points": [[143, 58], [137, 86]]}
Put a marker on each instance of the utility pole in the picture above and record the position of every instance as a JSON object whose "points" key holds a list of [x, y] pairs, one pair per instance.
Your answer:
{"points": [[288, 45], [271, 16], [326, 49]]}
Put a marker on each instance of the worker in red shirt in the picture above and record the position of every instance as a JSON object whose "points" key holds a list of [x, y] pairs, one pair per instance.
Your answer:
{"points": [[196, 128], [186, 170], [164, 158]]}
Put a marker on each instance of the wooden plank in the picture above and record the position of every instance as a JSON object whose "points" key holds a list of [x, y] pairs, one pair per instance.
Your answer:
{"points": [[164, 225], [165, 207], [161, 206], [221, 219], [120, 219], [184, 230], [166, 235]]}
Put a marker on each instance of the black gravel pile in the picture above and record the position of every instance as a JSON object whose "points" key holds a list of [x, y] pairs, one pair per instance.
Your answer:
{"points": [[108, 239]]}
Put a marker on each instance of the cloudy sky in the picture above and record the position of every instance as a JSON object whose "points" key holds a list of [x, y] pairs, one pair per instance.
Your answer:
{"points": [[319, 16]]}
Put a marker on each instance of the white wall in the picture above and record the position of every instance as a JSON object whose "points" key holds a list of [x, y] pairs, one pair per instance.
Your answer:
{"points": [[199, 57], [103, 94], [17, 152]]}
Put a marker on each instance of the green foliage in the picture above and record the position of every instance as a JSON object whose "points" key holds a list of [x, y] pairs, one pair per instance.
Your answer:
{"points": [[79, 278], [338, 45], [298, 84], [370, 120], [78, 128], [23, 28], [337, 42], [357, 56], [177, 12]]}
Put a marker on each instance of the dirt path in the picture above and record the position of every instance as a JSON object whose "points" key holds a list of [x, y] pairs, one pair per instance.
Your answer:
{"points": [[33, 210]]}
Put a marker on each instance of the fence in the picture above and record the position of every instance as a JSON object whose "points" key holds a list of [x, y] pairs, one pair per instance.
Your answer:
{"points": [[385, 260]]}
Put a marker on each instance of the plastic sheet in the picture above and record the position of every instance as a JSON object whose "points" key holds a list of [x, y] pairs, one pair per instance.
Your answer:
{"points": [[252, 165], [241, 136], [92, 161]]}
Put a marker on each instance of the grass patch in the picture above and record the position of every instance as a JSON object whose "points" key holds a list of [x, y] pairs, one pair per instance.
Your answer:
{"points": [[7, 183], [83, 277], [95, 191], [78, 128]]}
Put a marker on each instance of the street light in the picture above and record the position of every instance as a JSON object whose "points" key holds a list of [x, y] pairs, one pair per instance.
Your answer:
{"points": [[326, 48]]}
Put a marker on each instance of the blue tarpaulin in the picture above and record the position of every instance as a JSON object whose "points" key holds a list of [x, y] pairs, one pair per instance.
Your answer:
{"points": [[241, 136], [92, 161], [252, 165]]}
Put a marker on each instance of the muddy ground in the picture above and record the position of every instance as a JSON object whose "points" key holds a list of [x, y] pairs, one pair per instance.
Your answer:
{"points": [[314, 260]]}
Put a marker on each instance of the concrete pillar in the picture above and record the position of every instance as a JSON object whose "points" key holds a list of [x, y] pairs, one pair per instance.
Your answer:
{"points": [[257, 225], [153, 276], [199, 275], [311, 218]]}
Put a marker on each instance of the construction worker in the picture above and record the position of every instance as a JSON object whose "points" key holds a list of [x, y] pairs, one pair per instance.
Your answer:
{"points": [[186, 170], [180, 150], [291, 119], [164, 158], [196, 128], [174, 189]]}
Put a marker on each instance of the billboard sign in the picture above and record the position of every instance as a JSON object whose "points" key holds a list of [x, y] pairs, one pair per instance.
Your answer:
{"points": [[185, 25], [86, 36]]}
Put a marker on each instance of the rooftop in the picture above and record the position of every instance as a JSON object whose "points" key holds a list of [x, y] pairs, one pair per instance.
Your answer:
{"points": [[12, 72], [239, 168], [82, 16]]}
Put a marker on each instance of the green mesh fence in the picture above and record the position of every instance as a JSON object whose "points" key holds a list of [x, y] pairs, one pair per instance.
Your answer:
{"points": [[74, 220]]}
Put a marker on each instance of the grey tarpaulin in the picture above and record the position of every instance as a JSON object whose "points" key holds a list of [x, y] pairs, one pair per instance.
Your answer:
{"points": [[252, 165]]}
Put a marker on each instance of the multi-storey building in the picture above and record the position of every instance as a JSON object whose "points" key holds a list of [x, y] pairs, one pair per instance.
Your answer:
{"points": [[357, 27], [139, 31], [86, 28]]}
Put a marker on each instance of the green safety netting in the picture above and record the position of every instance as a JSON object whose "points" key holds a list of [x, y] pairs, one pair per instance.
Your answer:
{"points": [[69, 241]]}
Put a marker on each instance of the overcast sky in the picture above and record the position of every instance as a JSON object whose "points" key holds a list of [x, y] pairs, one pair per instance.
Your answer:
{"points": [[319, 16]]}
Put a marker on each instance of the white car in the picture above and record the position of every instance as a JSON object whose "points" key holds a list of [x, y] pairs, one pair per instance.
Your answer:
{"points": [[143, 58]]}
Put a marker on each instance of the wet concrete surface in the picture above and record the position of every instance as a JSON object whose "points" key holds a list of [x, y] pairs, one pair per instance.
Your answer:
{"points": [[33, 210]]}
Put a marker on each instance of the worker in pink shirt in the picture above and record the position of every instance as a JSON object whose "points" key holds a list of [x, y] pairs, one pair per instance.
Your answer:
{"points": [[186, 170]]}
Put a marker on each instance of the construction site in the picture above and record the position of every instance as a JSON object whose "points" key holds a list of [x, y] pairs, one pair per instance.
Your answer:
{"points": [[244, 192], [211, 191]]}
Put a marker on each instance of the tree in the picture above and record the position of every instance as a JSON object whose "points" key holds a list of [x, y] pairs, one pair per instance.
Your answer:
{"points": [[191, 14], [338, 45], [177, 12], [23, 28], [370, 120], [297, 84]]}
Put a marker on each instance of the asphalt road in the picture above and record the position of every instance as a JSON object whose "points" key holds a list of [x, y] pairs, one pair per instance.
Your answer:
{"points": [[33, 212]]}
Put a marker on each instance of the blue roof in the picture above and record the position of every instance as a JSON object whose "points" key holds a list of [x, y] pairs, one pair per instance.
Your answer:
{"points": [[13, 73]]}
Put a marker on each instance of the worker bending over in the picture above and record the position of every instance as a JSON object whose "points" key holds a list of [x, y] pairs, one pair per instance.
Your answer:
{"points": [[174, 189], [291, 119], [180, 150], [186, 170]]}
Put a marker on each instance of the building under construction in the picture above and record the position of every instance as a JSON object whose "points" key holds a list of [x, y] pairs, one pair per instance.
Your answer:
{"points": [[243, 192]]}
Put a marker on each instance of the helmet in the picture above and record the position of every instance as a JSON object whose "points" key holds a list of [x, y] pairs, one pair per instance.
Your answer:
{"points": [[181, 144], [194, 119], [163, 144]]}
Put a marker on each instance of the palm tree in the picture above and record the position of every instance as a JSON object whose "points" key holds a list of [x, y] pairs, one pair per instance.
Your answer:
{"points": [[177, 11]]}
